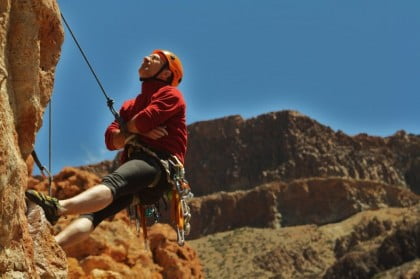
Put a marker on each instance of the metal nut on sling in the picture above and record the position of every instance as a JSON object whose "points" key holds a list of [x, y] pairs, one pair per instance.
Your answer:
{"points": [[180, 237], [187, 228]]}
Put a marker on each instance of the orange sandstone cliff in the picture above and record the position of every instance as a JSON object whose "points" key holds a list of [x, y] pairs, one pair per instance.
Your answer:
{"points": [[30, 43]]}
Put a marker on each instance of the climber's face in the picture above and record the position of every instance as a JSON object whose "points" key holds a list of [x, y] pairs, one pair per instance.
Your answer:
{"points": [[151, 66]]}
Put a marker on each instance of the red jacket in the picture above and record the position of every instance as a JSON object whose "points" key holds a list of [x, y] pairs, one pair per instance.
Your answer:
{"points": [[158, 104]]}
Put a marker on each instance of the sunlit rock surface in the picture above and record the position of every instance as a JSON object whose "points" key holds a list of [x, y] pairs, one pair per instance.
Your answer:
{"points": [[30, 43]]}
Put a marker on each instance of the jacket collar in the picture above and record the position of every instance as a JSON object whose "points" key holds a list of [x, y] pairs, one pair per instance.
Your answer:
{"points": [[150, 86]]}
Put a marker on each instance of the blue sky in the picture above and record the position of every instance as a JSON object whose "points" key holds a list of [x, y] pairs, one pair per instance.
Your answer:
{"points": [[351, 65]]}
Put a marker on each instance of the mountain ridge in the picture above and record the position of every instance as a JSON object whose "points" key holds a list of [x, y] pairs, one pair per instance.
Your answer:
{"points": [[287, 145]]}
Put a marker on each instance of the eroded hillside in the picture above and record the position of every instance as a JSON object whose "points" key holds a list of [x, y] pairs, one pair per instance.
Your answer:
{"points": [[286, 145]]}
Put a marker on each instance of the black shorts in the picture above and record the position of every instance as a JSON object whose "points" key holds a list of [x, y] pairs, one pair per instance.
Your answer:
{"points": [[134, 177]]}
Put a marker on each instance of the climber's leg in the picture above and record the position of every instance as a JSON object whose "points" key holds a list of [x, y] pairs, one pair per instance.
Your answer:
{"points": [[80, 229], [77, 231], [91, 200]]}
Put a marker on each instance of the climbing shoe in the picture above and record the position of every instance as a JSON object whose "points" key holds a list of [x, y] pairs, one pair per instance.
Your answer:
{"points": [[49, 204]]}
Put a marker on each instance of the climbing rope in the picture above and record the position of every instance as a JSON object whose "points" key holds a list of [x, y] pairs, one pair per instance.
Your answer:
{"points": [[109, 101], [49, 146]]}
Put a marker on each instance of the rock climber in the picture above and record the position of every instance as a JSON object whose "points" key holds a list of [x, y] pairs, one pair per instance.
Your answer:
{"points": [[156, 131]]}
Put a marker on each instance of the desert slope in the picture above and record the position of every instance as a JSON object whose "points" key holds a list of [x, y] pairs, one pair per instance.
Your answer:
{"points": [[383, 242]]}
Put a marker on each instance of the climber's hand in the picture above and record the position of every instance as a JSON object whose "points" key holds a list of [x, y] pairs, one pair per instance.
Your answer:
{"points": [[156, 133], [118, 139]]}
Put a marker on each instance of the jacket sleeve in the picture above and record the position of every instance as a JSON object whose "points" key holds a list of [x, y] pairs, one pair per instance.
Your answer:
{"points": [[164, 104], [108, 135], [115, 126]]}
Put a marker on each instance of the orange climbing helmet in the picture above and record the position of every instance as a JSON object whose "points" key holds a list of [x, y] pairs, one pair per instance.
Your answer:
{"points": [[174, 64]]}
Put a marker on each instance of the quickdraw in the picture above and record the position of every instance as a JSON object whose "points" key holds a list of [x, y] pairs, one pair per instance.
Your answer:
{"points": [[138, 214], [181, 194], [44, 171]]}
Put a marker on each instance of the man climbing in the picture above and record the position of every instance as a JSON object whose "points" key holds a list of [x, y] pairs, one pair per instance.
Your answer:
{"points": [[155, 123]]}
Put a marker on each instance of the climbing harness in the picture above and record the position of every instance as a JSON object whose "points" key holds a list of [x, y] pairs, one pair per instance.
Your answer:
{"points": [[179, 194]]}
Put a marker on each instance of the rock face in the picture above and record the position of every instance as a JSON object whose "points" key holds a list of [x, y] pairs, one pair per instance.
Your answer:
{"points": [[317, 201], [231, 153], [50, 258], [30, 41]]}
